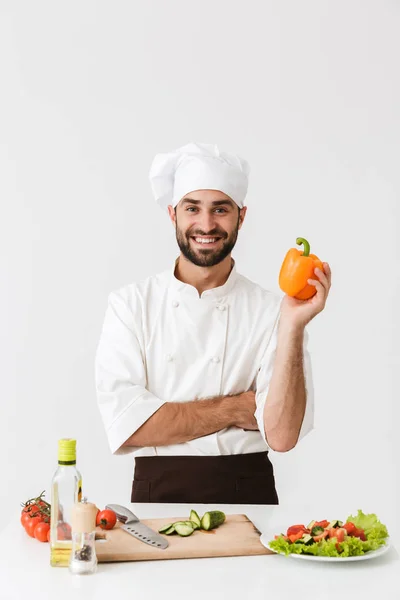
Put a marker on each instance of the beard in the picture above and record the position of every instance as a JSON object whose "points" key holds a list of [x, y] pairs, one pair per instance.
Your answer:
{"points": [[206, 257]]}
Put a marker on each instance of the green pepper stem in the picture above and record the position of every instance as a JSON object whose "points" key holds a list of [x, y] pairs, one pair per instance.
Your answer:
{"points": [[300, 241]]}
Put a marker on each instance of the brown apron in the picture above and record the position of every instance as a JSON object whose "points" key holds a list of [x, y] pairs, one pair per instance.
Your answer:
{"points": [[232, 479]]}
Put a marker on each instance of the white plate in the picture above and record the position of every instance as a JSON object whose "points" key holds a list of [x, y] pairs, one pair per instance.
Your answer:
{"points": [[266, 538]]}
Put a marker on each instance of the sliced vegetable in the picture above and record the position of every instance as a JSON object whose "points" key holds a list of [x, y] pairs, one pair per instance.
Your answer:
{"points": [[164, 528], [212, 519], [193, 524], [322, 536], [195, 518], [183, 529], [317, 530], [293, 529], [350, 528], [334, 523], [295, 536], [170, 530], [322, 524]]}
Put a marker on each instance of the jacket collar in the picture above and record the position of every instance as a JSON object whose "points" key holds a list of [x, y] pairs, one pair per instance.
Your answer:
{"points": [[217, 293]]}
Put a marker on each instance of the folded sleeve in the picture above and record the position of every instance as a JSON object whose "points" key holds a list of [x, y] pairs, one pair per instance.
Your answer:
{"points": [[120, 375], [264, 378]]}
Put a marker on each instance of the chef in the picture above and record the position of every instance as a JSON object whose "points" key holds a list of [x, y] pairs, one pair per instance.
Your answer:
{"points": [[200, 372]]}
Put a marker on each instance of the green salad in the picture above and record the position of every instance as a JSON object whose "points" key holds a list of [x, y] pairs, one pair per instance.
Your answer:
{"points": [[358, 535]]}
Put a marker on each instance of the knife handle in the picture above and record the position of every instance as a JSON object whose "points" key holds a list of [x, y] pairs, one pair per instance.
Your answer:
{"points": [[123, 514]]}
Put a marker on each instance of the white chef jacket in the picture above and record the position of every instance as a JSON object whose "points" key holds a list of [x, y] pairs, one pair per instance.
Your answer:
{"points": [[161, 342]]}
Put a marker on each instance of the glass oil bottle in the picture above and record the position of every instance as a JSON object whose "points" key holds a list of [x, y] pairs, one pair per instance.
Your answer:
{"points": [[66, 490]]}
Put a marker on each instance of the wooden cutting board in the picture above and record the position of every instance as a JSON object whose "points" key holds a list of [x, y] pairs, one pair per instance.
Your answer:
{"points": [[238, 536]]}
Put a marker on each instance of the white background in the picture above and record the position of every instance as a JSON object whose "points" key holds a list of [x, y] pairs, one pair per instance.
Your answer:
{"points": [[308, 92]]}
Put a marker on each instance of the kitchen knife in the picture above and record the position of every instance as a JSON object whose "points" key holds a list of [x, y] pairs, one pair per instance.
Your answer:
{"points": [[132, 525]]}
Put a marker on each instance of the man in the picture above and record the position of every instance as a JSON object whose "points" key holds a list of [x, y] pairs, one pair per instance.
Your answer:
{"points": [[199, 371]]}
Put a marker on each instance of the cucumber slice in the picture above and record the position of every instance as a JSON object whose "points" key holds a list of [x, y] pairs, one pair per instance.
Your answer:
{"points": [[170, 530], [212, 519], [192, 524], [195, 518], [164, 528], [183, 529]]}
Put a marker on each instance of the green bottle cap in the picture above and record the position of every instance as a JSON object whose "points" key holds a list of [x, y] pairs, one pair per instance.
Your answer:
{"points": [[67, 451]]}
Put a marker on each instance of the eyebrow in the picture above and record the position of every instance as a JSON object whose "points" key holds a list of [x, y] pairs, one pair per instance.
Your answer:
{"points": [[225, 202]]}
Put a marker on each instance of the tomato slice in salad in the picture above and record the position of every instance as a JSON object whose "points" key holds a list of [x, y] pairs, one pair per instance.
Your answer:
{"points": [[322, 536], [296, 536], [294, 529], [321, 524], [350, 528]]}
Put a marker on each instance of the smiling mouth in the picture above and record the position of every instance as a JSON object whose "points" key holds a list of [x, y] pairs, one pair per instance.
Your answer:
{"points": [[206, 240]]}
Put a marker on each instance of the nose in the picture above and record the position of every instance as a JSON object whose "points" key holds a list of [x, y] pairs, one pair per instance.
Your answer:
{"points": [[206, 222]]}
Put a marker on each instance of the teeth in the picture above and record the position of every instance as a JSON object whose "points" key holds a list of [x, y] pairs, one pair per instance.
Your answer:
{"points": [[205, 240]]}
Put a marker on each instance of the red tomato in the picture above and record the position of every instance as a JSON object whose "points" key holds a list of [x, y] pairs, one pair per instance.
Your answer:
{"points": [[322, 536], [48, 535], [41, 531], [64, 531], [32, 523], [295, 529], [296, 536], [30, 509], [321, 524], [340, 533], [25, 518], [106, 519], [350, 528], [360, 534]]}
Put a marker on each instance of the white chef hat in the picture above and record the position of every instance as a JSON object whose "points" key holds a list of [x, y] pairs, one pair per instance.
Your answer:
{"points": [[198, 167]]}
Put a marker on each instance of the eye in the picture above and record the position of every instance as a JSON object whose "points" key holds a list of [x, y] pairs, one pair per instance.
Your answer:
{"points": [[190, 208], [223, 210]]}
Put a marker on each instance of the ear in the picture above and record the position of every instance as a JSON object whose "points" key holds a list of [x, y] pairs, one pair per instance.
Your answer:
{"points": [[242, 214], [172, 215]]}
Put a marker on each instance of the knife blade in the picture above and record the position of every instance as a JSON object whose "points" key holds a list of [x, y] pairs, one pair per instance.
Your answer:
{"points": [[133, 525]]}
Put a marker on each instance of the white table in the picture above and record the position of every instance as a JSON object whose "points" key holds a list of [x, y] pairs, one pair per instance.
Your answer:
{"points": [[25, 571]]}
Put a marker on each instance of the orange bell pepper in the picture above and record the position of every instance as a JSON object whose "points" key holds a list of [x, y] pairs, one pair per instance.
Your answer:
{"points": [[296, 269]]}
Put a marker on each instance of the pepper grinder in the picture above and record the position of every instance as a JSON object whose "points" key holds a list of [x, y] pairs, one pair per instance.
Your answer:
{"points": [[83, 559]]}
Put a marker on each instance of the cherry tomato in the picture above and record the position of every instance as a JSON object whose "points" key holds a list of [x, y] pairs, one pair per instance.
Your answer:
{"points": [[64, 531], [294, 529], [48, 535], [30, 509], [41, 531], [296, 536], [350, 528], [360, 534], [321, 524], [322, 536], [340, 533], [32, 523], [25, 518], [106, 519]]}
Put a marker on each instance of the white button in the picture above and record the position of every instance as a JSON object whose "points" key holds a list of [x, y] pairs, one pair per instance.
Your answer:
{"points": [[216, 359], [175, 304], [169, 357], [221, 306]]}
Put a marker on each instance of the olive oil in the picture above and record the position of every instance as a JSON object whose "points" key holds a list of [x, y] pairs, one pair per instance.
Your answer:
{"points": [[66, 490]]}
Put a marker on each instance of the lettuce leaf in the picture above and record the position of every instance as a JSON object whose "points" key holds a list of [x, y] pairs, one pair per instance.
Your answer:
{"points": [[373, 528], [351, 546]]}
